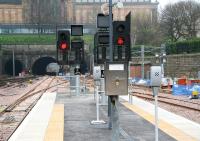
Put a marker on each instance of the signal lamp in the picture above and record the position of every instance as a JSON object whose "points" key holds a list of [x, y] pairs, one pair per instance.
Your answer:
{"points": [[121, 28], [63, 46], [120, 41], [103, 39], [63, 40]]}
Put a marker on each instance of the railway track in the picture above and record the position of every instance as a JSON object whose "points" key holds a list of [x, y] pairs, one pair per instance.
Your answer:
{"points": [[168, 99], [6, 82], [14, 114]]}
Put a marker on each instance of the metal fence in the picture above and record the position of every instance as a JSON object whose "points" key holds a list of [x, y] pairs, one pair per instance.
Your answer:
{"points": [[24, 28], [76, 85]]}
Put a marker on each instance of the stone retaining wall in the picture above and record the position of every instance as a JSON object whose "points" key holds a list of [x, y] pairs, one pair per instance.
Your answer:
{"points": [[177, 65]]}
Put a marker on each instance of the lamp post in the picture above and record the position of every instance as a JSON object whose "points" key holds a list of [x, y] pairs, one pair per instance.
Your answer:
{"points": [[161, 58], [142, 64]]}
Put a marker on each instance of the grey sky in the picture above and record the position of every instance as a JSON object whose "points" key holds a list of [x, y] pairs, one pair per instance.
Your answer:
{"points": [[164, 2]]}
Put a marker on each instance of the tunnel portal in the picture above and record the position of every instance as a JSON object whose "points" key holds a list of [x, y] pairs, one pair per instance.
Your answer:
{"points": [[9, 67], [39, 67]]}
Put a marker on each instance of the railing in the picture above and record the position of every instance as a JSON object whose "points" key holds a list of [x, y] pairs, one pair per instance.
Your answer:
{"points": [[23, 28], [76, 85]]}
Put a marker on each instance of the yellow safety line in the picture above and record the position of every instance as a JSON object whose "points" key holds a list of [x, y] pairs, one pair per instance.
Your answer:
{"points": [[164, 126], [55, 129]]}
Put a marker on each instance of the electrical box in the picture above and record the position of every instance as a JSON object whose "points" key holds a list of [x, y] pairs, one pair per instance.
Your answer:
{"points": [[97, 72], [155, 76], [116, 78]]}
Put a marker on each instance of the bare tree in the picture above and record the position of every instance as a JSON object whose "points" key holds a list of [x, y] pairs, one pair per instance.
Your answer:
{"points": [[44, 11], [192, 17], [180, 20], [145, 29]]}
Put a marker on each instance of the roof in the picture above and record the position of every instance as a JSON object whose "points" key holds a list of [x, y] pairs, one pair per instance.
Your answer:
{"points": [[10, 1]]}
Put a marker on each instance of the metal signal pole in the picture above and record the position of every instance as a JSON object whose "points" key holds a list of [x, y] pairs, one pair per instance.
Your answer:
{"points": [[111, 57]]}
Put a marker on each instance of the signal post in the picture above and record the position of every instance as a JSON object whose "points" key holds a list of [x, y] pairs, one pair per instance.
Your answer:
{"points": [[112, 49], [77, 53], [116, 72]]}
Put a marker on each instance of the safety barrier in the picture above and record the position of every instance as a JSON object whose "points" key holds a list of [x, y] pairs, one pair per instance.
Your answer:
{"points": [[76, 85]]}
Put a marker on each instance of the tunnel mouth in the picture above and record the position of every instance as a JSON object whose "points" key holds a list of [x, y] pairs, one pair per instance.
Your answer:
{"points": [[39, 66], [9, 67]]}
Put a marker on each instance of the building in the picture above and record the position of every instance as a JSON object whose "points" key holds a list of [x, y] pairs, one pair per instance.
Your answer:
{"points": [[11, 11], [68, 11], [85, 11]]}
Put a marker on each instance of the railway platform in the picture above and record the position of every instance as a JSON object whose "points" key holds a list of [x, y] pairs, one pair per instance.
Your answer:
{"points": [[61, 117]]}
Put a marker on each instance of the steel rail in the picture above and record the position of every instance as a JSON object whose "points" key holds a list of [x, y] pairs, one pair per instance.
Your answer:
{"points": [[167, 101], [11, 106]]}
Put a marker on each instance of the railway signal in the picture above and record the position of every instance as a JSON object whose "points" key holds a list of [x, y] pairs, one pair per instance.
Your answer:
{"points": [[63, 41], [77, 46], [121, 39], [102, 46], [63, 46]]}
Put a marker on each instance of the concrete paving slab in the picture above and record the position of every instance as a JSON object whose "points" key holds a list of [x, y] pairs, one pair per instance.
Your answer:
{"points": [[177, 121], [34, 125], [80, 110]]}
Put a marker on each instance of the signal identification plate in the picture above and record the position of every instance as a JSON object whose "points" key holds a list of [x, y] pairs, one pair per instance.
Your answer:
{"points": [[115, 67]]}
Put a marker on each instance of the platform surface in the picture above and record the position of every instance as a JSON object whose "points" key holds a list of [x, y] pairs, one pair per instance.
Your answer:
{"points": [[177, 126], [34, 126], [79, 111], [62, 117]]}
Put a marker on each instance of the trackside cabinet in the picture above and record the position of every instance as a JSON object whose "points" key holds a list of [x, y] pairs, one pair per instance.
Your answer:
{"points": [[116, 78]]}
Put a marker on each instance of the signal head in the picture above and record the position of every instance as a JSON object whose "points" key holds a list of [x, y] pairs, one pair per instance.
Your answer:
{"points": [[63, 40]]}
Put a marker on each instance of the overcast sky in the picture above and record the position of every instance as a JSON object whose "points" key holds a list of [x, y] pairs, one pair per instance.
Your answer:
{"points": [[162, 3]]}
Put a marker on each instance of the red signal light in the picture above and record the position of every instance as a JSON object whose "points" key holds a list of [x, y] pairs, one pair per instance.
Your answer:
{"points": [[63, 46], [120, 41]]}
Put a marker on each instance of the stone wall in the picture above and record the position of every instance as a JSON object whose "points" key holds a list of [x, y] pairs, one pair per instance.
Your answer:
{"points": [[27, 54], [186, 64], [176, 65]]}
